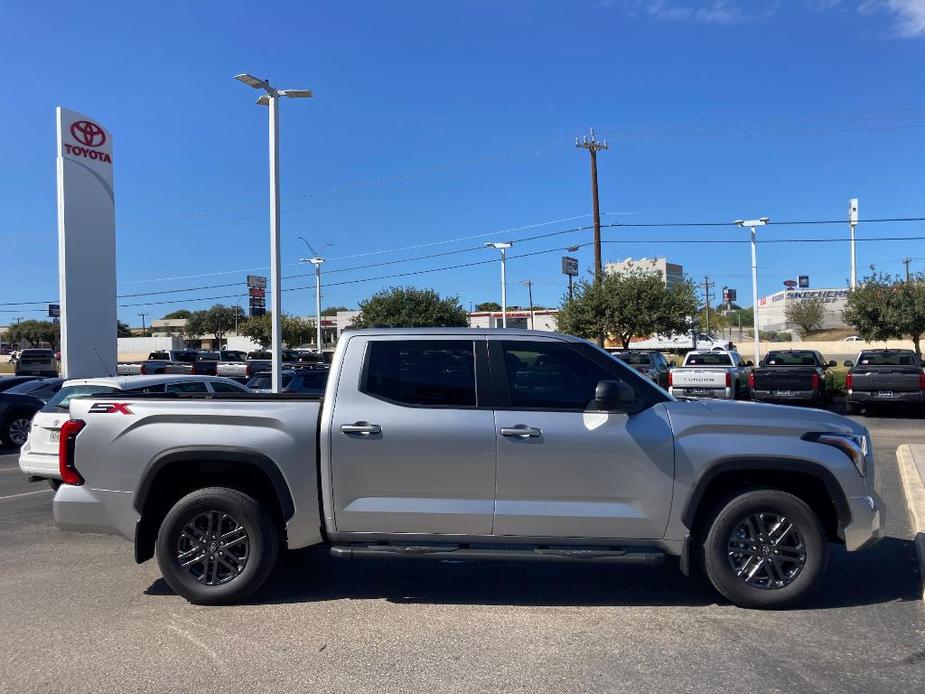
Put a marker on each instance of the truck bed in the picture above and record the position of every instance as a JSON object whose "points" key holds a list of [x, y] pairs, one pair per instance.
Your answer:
{"points": [[177, 428]]}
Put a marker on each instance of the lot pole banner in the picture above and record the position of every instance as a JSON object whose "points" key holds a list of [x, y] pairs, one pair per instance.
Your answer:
{"points": [[86, 247]]}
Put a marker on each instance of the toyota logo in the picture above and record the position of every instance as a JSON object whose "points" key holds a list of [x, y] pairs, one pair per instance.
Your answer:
{"points": [[87, 133]]}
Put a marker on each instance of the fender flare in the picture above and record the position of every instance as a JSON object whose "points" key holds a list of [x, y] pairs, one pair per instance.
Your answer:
{"points": [[213, 454], [769, 464]]}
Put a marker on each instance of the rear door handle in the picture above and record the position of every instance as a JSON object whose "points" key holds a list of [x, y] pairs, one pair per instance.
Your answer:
{"points": [[521, 432], [363, 428]]}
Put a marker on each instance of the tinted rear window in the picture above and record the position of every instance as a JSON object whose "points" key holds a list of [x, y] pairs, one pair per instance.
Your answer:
{"points": [[887, 359], [430, 373], [709, 359], [62, 399], [790, 359], [635, 358], [264, 381]]}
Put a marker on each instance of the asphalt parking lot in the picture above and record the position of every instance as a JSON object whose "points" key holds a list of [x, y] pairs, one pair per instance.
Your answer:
{"points": [[78, 615]]}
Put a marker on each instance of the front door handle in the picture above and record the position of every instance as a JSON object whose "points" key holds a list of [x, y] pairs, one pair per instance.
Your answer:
{"points": [[362, 428], [521, 432]]}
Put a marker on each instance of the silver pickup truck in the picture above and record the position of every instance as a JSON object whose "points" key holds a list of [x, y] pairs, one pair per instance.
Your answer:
{"points": [[470, 444]]}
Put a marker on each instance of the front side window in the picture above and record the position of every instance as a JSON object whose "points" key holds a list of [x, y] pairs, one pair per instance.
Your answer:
{"points": [[422, 373], [549, 375]]}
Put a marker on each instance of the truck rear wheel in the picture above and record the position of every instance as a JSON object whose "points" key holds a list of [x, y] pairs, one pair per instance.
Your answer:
{"points": [[217, 546], [765, 549]]}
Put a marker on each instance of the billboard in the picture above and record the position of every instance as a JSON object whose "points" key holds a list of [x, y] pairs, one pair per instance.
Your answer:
{"points": [[54, 310], [257, 294], [86, 246], [569, 266], [803, 281]]}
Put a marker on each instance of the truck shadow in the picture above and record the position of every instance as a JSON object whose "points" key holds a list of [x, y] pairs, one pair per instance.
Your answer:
{"points": [[887, 572]]}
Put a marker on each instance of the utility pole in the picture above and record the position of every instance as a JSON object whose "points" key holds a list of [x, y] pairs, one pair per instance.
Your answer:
{"points": [[593, 146], [143, 331], [906, 262], [529, 285], [707, 286]]}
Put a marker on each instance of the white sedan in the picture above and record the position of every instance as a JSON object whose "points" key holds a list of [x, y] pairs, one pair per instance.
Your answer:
{"points": [[38, 458]]}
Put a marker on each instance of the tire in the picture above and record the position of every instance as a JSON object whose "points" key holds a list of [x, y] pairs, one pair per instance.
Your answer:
{"points": [[15, 430], [853, 408], [780, 571], [233, 570], [54, 484]]}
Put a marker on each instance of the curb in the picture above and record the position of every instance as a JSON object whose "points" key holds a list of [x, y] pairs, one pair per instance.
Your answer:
{"points": [[914, 489]]}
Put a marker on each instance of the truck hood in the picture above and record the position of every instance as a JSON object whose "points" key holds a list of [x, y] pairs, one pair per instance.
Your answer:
{"points": [[758, 417]]}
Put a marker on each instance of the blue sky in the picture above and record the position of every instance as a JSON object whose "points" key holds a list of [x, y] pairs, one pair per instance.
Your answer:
{"points": [[440, 121]]}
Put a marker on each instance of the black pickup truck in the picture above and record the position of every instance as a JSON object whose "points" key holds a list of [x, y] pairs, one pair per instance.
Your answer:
{"points": [[890, 377], [793, 375]]}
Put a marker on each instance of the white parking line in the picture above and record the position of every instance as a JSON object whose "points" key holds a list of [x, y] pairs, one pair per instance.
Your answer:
{"points": [[13, 496], [8, 469]]}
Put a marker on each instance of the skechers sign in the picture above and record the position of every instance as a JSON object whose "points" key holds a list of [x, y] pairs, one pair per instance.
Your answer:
{"points": [[89, 137]]}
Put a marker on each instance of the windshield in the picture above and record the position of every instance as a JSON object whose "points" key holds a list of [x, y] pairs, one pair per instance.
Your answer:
{"points": [[709, 359], [887, 359], [26, 387], [790, 359], [635, 358], [62, 399]]}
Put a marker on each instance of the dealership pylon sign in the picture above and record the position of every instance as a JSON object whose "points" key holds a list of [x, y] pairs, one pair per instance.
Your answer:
{"points": [[86, 247]]}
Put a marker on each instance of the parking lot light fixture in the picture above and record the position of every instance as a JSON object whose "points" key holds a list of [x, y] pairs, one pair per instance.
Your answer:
{"points": [[502, 246], [271, 98], [753, 224]]}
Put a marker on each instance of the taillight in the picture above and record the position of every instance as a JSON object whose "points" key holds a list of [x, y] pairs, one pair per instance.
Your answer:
{"points": [[143, 370], [849, 382], [815, 381], [728, 380], [670, 379], [922, 381], [69, 431], [751, 381], [247, 371]]}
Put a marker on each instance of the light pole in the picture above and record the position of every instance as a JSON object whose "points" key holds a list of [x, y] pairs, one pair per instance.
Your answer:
{"points": [[143, 330], [238, 311], [317, 261], [529, 285], [853, 222], [502, 246], [753, 224], [270, 98]]}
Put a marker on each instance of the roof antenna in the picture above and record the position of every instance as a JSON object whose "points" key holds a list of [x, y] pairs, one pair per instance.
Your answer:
{"points": [[105, 368]]}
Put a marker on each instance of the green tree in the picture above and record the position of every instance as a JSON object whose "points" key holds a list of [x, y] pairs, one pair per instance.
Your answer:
{"points": [[332, 310], [409, 307], [178, 314], [35, 332], [806, 314], [296, 331], [884, 307], [122, 329], [488, 306], [217, 321], [626, 305]]}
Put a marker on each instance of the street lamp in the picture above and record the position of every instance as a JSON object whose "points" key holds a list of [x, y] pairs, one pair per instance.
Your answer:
{"points": [[753, 224], [270, 98], [317, 261], [502, 246]]}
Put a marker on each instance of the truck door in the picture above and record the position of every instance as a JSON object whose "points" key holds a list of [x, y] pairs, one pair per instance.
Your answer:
{"points": [[412, 444], [564, 469]]}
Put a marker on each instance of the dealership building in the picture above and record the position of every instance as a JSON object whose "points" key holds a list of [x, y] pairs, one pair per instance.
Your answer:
{"points": [[671, 273], [772, 309]]}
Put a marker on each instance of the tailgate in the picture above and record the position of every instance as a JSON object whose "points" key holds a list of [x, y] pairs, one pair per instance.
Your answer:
{"points": [[895, 380], [783, 378], [696, 377]]}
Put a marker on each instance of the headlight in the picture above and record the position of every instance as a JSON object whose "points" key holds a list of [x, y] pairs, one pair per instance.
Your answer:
{"points": [[854, 446]]}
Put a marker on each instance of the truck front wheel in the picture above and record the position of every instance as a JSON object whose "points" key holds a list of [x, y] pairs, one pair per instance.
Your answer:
{"points": [[217, 546], [765, 549]]}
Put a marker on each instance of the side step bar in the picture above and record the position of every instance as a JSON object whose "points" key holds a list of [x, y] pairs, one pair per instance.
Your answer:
{"points": [[635, 555]]}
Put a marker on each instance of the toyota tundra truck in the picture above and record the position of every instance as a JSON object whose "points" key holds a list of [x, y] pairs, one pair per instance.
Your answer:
{"points": [[464, 444], [711, 374]]}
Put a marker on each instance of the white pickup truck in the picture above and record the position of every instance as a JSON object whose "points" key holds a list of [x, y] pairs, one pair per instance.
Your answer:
{"points": [[711, 374]]}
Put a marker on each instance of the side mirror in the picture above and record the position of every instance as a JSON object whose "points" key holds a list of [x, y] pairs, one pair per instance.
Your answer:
{"points": [[613, 395], [849, 363], [832, 364]]}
